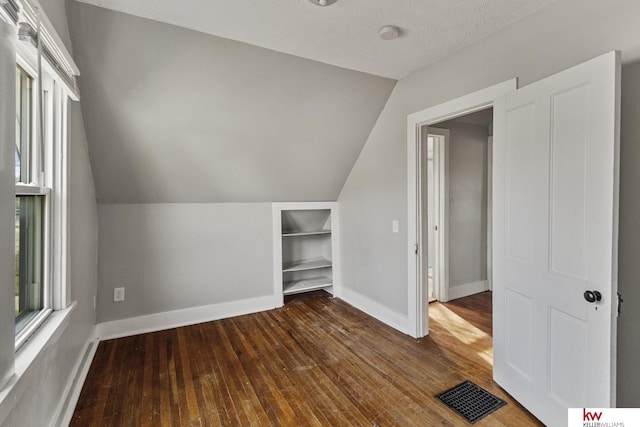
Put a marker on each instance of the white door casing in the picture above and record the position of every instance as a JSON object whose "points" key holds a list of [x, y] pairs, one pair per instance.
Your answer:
{"points": [[417, 123], [489, 212], [555, 210], [440, 187]]}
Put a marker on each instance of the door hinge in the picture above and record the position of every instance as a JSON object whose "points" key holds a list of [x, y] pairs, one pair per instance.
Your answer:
{"points": [[620, 301], [415, 249]]}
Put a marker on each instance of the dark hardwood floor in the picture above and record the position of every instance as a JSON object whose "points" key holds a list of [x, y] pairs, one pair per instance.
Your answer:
{"points": [[315, 361]]}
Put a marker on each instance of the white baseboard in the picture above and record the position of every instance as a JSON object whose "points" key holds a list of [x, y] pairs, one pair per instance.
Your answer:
{"points": [[76, 380], [375, 309], [467, 289], [188, 316]]}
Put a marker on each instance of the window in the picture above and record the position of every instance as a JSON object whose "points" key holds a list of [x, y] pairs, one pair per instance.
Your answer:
{"points": [[29, 251], [31, 211], [41, 231], [45, 83], [41, 225], [24, 124]]}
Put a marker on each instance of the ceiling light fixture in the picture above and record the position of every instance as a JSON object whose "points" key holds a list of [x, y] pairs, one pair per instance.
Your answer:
{"points": [[389, 32], [323, 3]]}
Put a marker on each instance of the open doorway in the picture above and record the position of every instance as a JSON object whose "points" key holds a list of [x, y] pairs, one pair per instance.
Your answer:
{"points": [[456, 200], [417, 126]]}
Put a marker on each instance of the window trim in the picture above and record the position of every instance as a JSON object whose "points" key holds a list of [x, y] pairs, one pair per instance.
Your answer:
{"points": [[31, 326], [59, 218], [53, 184], [31, 190]]}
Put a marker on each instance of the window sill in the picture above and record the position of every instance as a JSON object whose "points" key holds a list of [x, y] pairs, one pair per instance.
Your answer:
{"points": [[29, 325], [46, 335]]}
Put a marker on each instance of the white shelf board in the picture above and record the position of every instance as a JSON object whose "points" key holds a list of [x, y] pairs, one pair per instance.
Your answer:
{"points": [[310, 264], [304, 233], [304, 285]]}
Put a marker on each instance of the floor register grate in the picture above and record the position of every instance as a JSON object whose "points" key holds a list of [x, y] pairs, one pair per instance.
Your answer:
{"points": [[470, 401]]}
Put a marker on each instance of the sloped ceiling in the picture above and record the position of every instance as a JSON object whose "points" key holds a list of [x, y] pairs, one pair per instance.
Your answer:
{"points": [[343, 34], [174, 115]]}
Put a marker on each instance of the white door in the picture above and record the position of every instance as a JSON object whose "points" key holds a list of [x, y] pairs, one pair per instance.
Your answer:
{"points": [[555, 238]]}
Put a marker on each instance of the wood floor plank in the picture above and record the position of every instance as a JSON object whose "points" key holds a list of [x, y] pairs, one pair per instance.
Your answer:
{"points": [[317, 361], [201, 376], [355, 381], [164, 389], [373, 370], [189, 391], [305, 369], [292, 376], [288, 370], [241, 396], [275, 405], [309, 365], [216, 386]]}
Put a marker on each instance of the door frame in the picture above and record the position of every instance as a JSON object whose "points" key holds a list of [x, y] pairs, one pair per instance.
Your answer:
{"points": [[490, 212], [417, 123], [441, 198]]}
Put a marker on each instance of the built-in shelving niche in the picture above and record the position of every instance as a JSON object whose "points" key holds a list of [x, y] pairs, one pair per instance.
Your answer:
{"points": [[304, 255]]}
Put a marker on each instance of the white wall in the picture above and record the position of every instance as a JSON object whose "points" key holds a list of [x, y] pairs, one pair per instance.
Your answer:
{"points": [[44, 385], [175, 256], [564, 34], [206, 132], [629, 240], [178, 116], [57, 13], [83, 240]]}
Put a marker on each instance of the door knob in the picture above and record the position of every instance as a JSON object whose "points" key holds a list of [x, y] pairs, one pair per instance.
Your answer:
{"points": [[592, 296]]}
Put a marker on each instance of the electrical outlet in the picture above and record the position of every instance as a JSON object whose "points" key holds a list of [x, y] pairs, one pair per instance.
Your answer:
{"points": [[118, 294], [95, 301], [395, 226]]}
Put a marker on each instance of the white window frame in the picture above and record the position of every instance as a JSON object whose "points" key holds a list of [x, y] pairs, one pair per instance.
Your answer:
{"points": [[53, 184]]}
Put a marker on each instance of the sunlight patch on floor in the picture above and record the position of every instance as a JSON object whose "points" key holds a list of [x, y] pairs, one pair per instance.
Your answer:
{"points": [[463, 331]]}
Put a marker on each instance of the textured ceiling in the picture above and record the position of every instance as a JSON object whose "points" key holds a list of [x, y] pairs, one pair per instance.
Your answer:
{"points": [[344, 34]]}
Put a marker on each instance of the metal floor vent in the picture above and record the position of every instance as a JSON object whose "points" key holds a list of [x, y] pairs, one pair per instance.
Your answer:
{"points": [[470, 401]]}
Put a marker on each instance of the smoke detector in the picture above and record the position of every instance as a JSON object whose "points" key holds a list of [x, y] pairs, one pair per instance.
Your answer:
{"points": [[389, 32], [323, 3]]}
